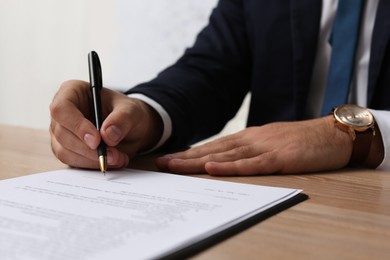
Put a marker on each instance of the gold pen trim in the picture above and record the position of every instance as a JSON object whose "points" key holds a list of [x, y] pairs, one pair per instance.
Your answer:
{"points": [[103, 163]]}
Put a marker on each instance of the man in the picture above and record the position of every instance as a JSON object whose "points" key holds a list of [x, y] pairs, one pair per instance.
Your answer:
{"points": [[280, 52]]}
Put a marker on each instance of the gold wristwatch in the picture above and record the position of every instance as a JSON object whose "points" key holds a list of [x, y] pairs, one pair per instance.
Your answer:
{"points": [[360, 124]]}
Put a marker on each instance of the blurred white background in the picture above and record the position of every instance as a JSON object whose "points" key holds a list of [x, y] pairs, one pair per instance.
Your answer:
{"points": [[45, 42]]}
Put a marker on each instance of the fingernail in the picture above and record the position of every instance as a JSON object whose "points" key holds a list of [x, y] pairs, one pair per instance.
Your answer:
{"points": [[110, 158], [177, 161], [89, 140], [114, 133], [164, 159]]}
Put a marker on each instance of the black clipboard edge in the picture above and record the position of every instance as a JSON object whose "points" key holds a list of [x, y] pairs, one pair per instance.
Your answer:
{"points": [[199, 246]]}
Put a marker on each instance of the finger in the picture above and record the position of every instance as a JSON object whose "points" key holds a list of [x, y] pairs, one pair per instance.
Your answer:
{"points": [[71, 118], [116, 159], [189, 161], [71, 158], [65, 111], [178, 165], [70, 141], [197, 163], [240, 152], [214, 147], [162, 162], [186, 166], [266, 163]]}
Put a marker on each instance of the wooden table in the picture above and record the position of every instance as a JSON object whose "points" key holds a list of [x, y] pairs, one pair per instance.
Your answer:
{"points": [[346, 217]]}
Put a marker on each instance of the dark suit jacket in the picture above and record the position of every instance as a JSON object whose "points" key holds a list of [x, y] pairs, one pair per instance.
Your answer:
{"points": [[266, 47]]}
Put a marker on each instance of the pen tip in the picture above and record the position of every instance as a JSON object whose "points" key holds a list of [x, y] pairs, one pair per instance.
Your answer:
{"points": [[103, 164]]}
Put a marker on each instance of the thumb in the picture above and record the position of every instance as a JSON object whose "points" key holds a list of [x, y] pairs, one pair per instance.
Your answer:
{"points": [[116, 126]]}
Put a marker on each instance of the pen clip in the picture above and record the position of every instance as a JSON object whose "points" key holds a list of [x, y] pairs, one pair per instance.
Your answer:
{"points": [[95, 70]]}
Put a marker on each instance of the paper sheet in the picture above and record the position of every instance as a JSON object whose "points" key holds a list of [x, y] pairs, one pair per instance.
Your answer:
{"points": [[128, 214]]}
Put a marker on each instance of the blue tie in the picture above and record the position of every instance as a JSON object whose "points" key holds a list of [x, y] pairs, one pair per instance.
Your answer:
{"points": [[344, 40]]}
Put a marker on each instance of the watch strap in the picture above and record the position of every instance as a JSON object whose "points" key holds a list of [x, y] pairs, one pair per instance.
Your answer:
{"points": [[361, 146]]}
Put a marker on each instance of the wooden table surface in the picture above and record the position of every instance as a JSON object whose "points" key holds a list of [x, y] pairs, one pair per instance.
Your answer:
{"points": [[346, 217]]}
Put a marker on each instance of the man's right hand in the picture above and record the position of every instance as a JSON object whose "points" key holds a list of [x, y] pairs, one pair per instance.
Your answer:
{"points": [[130, 126]]}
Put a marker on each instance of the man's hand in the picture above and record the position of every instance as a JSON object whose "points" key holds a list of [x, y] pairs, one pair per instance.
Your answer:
{"points": [[296, 147], [129, 126]]}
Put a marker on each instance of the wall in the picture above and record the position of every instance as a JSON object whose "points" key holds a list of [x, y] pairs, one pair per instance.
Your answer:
{"points": [[45, 42]]}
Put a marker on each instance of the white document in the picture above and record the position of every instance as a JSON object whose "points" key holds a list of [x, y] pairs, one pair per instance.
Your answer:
{"points": [[128, 214]]}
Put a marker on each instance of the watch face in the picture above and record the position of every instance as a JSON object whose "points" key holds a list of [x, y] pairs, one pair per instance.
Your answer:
{"points": [[354, 116]]}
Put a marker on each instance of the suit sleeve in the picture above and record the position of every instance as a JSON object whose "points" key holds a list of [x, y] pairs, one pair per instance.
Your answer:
{"points": [[204, 89]]}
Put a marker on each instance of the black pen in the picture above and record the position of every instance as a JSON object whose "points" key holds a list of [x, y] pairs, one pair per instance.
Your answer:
{"points": [[96, 81]]}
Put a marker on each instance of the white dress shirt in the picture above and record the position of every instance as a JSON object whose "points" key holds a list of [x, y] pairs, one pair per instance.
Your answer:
{"points": [[358, 93]]}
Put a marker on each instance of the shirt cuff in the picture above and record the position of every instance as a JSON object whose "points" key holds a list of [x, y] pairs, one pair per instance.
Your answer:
{"points": [[382, 118], [166, 119]]}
